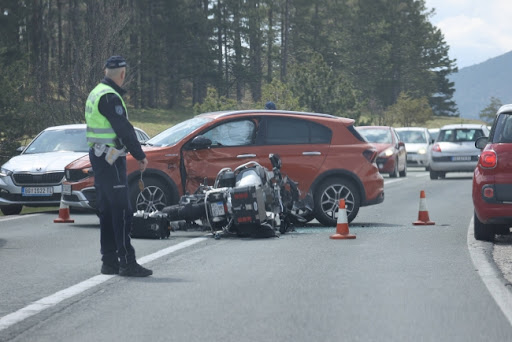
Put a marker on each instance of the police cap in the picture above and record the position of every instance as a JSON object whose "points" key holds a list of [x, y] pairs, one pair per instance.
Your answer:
{"points": [[270, 105], [115, 62]]}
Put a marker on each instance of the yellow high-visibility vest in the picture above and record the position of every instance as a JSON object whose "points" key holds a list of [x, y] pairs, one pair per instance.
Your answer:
{"points": [[99, 130]]}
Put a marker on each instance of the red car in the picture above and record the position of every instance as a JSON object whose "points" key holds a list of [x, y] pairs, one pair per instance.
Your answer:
{"points": [[391, 153], [492, 179], [323, 153]]}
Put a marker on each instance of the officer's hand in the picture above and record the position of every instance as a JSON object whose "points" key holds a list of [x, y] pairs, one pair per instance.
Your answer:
{"points": [[143, 164]]}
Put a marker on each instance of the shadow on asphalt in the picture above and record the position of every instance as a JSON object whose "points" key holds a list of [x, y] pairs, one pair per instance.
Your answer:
{"points": [[503, 240]]}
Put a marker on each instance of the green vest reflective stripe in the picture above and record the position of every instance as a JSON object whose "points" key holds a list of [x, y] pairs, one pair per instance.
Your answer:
{"points": [[99, 130]]}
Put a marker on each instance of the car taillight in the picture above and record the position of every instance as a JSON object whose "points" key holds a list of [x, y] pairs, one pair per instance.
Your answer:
{"points": [[436, 148], [370, 155], [488, 159]]}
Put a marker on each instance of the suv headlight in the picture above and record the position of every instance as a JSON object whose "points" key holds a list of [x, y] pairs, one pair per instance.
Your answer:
{"points": [[75, 175]]}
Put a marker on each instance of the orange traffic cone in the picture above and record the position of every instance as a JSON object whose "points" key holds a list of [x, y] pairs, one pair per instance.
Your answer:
{"points": [[423, 219], [342, 226], [63, 214]]}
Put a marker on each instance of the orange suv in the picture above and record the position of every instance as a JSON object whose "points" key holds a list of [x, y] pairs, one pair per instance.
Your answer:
{"points": [[323, 153]]}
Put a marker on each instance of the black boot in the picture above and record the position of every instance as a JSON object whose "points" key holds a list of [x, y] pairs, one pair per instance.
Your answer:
{"points": [[109, 268], [134, 270]]}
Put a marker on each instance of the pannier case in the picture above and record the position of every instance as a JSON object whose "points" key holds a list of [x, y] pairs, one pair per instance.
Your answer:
{"points": [[150, 226]]}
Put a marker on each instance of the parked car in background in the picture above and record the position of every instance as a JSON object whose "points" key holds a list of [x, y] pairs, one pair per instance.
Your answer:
{"points": [[492, 179], [417, 143], [391, 152], [454, 149], [34, 178], [325, 154], [434, 132]]}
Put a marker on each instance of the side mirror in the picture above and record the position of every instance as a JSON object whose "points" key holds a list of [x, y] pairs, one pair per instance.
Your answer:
{"points": [[20, 149], [200, 142], [481, 142]]}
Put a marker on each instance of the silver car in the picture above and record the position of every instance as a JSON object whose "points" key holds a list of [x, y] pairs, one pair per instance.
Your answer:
{"points": [[417, 143], [34, 178], [454, 149]]}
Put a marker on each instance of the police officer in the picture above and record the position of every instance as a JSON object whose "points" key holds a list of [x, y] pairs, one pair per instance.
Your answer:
{"points": [[110, 136]]}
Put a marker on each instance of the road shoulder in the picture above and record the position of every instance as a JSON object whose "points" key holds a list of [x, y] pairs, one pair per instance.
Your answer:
{"points": [[493, 277]]}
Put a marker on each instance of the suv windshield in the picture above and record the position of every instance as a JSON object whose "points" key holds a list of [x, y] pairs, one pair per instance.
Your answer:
{"points": [[503, 130], [177, 132], [459, 135]]}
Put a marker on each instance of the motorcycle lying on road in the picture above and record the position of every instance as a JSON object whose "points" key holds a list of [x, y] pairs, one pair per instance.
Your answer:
{"points": [[248, 201]]}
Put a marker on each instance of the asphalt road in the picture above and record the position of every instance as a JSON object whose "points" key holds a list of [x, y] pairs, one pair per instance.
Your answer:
{"points": [[394, 282]]}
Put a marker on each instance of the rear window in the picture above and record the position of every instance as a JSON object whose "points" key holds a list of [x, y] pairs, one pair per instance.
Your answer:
{"points": [[289, 131], [503, 129], [459, 135]]}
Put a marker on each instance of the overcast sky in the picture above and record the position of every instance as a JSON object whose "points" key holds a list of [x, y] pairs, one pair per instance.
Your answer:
{"points": [[475, 30]]}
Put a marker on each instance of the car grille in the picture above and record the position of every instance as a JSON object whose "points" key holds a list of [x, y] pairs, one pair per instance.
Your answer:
{"points": [[54, 178], [91, 197]]}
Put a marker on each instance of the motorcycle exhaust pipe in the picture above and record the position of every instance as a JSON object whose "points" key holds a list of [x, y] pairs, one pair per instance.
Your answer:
{"points": [[188, 212]]}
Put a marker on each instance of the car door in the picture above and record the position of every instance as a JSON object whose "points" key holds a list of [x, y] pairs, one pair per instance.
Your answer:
{"points": [[302, 145], [232, 144]]}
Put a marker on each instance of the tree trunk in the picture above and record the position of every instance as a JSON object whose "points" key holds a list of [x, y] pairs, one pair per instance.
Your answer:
{"points": [[255, 51], [284, 39], [238, 54], [270, 43]]}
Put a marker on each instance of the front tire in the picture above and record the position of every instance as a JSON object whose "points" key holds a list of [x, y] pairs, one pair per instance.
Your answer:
{"points": [[13, 209], [433, 175], [482, 231], [394, 174], [154, 197], [327, 198]]}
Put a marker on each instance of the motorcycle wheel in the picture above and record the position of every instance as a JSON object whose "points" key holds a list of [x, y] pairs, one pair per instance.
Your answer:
{"points": [[327, 198], [307, 215]]}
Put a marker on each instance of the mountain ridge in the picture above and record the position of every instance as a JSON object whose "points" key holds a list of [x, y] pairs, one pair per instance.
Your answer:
{"points": [[476, 84]]}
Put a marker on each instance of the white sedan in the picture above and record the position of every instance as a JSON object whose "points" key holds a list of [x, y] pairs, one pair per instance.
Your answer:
{"points": [[34, 178]]}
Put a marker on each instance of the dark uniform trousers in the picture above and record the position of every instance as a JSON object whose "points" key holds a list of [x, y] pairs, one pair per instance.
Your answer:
{"points": [[113, 209]]}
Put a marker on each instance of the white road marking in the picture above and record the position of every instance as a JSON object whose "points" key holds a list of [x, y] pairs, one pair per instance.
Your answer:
{"points": [[56, 298], [10, 218], [489, 273]]}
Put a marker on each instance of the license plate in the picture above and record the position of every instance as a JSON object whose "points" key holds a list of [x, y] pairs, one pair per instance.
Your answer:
{"points": [[37, 191], [66, 189], [461, 158], [217, 208]]}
